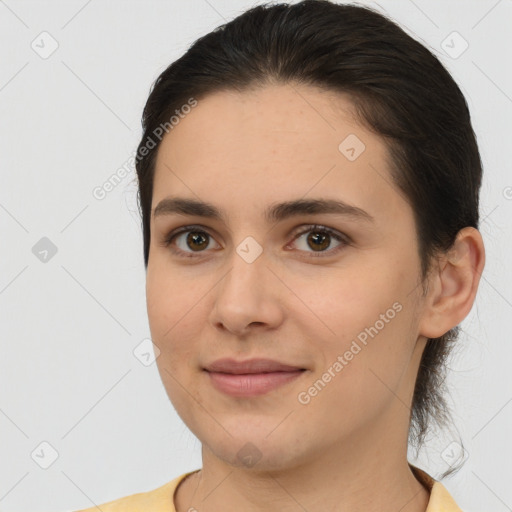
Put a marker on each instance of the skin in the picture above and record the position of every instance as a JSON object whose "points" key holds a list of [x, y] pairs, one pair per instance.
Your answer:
{"points": [[347, 448]]}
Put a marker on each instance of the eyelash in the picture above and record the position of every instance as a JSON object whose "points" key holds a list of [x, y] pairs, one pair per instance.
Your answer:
{"points": [[344, 239]]}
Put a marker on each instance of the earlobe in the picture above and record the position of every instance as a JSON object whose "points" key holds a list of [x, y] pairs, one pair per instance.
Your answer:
{"points": [[454, 285]]}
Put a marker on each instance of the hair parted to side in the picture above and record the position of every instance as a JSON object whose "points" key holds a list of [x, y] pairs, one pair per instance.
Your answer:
{"points": [[399, 90]]}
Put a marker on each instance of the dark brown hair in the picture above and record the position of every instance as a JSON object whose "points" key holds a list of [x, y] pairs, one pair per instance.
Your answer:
{"points": [[400, 91]]}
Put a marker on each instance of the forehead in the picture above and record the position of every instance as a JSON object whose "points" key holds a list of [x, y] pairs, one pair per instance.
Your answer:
{"points": [[241, 149], [284, 119]]}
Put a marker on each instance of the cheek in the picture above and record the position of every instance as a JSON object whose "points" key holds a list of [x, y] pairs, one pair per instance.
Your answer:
{"points": [[174, 308], [171, 300], [361, 371], [348, 300], [170, 324], [365, 317]]}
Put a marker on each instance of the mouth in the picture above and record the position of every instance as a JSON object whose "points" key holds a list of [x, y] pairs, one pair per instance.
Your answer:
{"points": [[250, 378]]}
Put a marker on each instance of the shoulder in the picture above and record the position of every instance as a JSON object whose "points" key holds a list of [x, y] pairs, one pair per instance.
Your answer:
{"points": [[440, 499], [159, 499]]}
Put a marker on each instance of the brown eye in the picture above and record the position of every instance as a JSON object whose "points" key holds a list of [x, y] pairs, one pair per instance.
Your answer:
{"points": [[197, 240], [319, 240]]}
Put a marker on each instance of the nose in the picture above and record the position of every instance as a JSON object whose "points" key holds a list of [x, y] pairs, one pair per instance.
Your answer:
{"points": [[248, 297]]}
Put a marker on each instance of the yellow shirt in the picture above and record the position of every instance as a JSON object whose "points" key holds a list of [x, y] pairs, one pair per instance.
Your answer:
{"points": [[161, 499]]}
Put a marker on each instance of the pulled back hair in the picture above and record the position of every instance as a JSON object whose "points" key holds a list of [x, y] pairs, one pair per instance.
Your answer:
{"points": [[399, 91]]}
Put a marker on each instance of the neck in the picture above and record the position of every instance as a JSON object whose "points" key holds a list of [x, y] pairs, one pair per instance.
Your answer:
{"points": [[371, 481]]}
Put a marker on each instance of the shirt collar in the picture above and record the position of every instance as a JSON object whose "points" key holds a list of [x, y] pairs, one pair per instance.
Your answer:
{"points": [[440, 499]]}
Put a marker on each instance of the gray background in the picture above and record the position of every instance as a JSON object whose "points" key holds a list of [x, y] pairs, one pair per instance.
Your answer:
{"points": [[71, 321]]}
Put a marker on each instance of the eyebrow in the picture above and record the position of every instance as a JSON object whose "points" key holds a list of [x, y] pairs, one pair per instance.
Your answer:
{"points": [[274, 213]]}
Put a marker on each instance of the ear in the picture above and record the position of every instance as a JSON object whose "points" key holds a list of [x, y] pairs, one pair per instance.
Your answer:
{"points": [[452, 287]]}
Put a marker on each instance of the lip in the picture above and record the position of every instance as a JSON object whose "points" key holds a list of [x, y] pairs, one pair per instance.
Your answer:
{"points": [[253, 377], [257, 365]]}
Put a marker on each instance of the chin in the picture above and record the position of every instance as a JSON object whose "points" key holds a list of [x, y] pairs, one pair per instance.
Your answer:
{"points": [[255, 450]]}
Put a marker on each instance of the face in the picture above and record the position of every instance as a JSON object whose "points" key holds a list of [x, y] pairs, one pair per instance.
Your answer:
{"points": [[330, 291]]}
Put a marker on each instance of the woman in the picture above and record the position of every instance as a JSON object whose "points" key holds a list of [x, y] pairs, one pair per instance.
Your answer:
{"points": [[309, 186]]}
